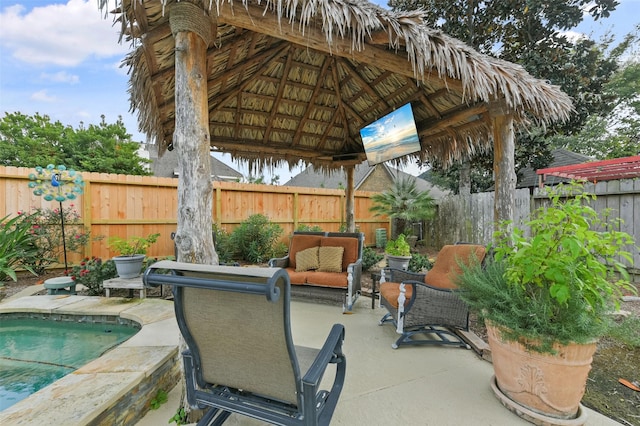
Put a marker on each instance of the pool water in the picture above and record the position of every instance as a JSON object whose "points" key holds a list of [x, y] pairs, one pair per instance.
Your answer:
{"points": [[36, 352]]}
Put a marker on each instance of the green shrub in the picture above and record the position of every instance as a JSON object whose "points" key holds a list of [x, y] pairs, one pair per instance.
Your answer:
{"points": [[370, 257], [223, 246], [627, 331], [92, 272], [309, 228], [17, 246], [419, 263], [256, 238], [46, 228]]}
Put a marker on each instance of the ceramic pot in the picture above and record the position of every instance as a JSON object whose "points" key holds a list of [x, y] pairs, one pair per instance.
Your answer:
{"points": [[398, 262], [129, 266]]}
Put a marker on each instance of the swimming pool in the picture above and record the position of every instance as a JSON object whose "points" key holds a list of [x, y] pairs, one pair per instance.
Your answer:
{"points": [[36, 350]]}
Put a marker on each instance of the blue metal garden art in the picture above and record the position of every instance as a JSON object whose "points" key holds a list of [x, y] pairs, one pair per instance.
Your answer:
{"points": [[60, 184]]}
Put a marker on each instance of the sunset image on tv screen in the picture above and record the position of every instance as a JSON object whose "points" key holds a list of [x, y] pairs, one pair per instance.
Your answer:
{"points": [[392, 136]]}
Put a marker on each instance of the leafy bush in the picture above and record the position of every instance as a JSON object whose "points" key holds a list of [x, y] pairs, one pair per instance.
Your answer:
{"points": [[398, 247], [132, 245], [558, 284], [309, 228], [17, 246], [419, 263], [627, 331], [46, 229], [92, 272], [370, 257], [255, 240], [223, 246]]}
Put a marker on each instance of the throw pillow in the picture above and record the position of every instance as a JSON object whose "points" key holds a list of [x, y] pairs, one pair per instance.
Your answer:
{"points": [[307, 259], [330, 259]]}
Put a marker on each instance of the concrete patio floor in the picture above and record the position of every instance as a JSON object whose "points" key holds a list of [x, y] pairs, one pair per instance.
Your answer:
{"points": [[408, 386]]}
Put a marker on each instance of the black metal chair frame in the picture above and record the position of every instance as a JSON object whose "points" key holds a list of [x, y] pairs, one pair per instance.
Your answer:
{"points": [[215, 381]]}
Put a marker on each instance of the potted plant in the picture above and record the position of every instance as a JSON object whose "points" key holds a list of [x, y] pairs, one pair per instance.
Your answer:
{"points": [[546, 297], [398, 253], [132, 252]]}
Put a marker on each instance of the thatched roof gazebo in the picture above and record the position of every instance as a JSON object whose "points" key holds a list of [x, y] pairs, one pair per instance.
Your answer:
{"points": [[285, 81]]}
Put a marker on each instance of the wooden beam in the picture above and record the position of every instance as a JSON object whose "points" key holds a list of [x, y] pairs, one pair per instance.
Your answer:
{"points": [[350, 195], [429, 128]]}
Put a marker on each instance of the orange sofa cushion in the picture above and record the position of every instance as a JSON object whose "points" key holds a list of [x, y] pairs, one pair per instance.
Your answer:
{"points": [[328, 279], [446, 267]]}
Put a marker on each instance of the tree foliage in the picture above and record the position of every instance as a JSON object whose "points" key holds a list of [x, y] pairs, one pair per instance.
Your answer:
{"points": [[30, 141], [533, 33]]}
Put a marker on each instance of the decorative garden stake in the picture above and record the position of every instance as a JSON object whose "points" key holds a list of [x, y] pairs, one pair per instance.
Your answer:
{"points": [[60, 184]]}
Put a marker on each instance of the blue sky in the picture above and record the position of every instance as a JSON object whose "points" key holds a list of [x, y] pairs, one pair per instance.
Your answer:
{"points": [[62, 58]]}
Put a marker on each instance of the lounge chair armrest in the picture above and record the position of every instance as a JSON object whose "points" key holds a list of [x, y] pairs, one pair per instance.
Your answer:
{"points": [[331, 352], [279, 262]]}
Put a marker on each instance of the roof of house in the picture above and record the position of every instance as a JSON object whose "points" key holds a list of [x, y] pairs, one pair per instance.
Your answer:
{"points": [[594, 171], [167, 166], [561, 157], [334, 179]]}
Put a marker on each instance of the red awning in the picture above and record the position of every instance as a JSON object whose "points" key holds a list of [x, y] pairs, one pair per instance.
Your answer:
{"points": [[595, 171]]}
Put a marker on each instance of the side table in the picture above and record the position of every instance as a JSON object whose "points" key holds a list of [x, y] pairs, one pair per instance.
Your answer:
{"points": [[126, 283]]}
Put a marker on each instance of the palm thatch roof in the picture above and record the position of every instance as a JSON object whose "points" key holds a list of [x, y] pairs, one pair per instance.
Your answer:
{"points": [[292, 80]]}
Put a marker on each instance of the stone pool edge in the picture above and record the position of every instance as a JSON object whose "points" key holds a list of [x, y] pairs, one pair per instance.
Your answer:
{"points": [[117, 387]]}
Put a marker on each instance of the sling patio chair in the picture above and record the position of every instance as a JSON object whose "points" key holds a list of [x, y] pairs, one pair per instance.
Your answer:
{"points": [[240, 355], [426, 308]]}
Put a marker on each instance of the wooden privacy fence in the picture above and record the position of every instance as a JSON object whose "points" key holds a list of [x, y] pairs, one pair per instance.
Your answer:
{"points": [[125, 206], [471, 218]]}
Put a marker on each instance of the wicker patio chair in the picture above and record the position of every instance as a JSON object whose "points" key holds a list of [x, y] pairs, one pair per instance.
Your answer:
{"points": [[240, 356], [425, 308]]}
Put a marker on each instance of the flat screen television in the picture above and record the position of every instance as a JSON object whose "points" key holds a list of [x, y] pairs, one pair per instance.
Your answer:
{"points": [[391, 136]]}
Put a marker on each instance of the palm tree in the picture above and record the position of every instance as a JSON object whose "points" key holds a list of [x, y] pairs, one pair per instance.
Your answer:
{"points": [[404, 203]]}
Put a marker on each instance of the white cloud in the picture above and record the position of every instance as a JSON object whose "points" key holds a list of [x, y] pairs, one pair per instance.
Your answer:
{"points": [[61, 77], [574, 36], [42, 96], [59, 34]]}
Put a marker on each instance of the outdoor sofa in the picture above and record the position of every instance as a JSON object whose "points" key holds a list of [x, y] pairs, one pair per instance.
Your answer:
{"points": [[324, 265]]}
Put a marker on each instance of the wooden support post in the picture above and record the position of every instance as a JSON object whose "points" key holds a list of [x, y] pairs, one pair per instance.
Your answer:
{"points": [[503, 163], [350, 195], [192, 31]]}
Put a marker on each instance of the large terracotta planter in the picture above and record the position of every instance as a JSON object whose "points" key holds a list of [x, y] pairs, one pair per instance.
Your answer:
{"points": [[549, 384]]}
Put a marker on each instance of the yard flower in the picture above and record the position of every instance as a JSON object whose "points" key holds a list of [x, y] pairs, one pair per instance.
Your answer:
{"points": [[91, 272]]}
